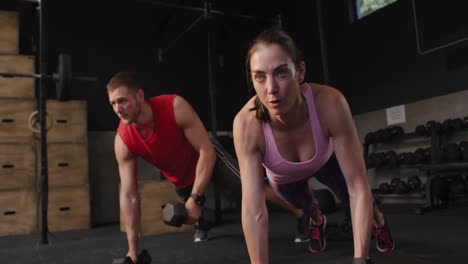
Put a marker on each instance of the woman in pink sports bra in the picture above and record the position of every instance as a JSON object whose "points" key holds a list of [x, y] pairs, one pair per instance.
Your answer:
{"points": [[296, 131]]}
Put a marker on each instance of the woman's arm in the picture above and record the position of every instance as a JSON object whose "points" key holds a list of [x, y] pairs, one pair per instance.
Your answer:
{"points": [[254, 211], [340, 124]]}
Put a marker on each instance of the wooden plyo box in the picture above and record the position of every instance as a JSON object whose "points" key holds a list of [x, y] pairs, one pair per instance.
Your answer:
{"points": [[17, 166], [68, 121], [17, 87], [9, 32], [69, 208], [14, 115], [18, 212], [153, 195], [67, 164]]}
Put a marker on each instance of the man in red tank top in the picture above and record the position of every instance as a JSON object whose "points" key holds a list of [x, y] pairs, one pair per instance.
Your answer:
{"points": [[166, 132]]}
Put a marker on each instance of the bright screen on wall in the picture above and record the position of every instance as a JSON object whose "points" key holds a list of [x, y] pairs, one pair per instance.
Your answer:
{"points": [[367, 7]]}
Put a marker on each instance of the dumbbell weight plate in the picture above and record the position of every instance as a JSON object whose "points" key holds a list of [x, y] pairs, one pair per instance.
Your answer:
{"points": [[174, 213]]}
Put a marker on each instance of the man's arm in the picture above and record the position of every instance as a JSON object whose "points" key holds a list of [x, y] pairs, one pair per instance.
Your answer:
{"points": [[129, 197], [350, 157], [254, 211], [196, 134]]}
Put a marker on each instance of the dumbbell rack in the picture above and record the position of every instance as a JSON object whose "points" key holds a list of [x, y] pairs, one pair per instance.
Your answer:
{"points": [[435, 169], [429, 171], [397, 141]]}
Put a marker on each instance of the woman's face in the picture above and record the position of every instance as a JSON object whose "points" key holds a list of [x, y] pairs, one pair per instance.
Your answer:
{"points": [[275, 78]]}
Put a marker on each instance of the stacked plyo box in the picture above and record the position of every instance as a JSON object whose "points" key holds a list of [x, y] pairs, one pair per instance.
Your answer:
{"points": [[9, 32], [18, 195], [67, 154], [20, 150]]}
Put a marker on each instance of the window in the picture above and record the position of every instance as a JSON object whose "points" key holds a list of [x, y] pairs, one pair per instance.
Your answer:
{"points": [[366, 7]]}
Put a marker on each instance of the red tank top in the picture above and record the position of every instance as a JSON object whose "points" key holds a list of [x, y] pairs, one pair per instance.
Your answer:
{"points": [[167, 148]]}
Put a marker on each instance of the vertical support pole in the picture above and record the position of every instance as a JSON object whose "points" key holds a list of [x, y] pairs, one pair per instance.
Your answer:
{"points": [[211, 79], [323, 44], [42, 97], [212, 86]]}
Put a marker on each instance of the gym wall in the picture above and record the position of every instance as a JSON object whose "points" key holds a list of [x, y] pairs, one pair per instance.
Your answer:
{"points": [[374, 57], [375, 62]]}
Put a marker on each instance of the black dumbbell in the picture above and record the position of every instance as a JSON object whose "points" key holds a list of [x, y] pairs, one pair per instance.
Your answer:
{"points": [[376, 160], [451, 125], [392, 158], [395, 132], [394, 182], [143, 258], [175, 214], [385, 188], [362, 261], [464, 150], [452, 153], [414, 183], [407, 158], [385, 134], [421, 156], [421, 131], [401, 158], [381, 159], [401, 187], [458, 124], [381, 135], [432, 126], [446, 126]]}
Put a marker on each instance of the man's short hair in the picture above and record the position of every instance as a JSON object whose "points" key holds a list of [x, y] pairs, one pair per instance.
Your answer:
{"points": [[126, 79]]}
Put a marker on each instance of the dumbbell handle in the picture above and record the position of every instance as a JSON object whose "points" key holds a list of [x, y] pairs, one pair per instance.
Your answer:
{"points": [[143, 258], [175, 214], [362, 261], [203, 212], [126, 260]]}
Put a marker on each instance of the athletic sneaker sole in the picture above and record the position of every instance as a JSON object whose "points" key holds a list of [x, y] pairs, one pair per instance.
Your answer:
{"points": [[324, 238], [298, 240]]}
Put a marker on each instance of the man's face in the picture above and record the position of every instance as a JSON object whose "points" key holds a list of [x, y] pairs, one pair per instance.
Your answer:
{"points": [[126, 104]]}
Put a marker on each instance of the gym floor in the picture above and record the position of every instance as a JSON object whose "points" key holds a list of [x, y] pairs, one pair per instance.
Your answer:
{"points": [[436, 237]]}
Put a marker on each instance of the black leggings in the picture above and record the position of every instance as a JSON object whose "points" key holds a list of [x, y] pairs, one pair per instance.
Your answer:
{"points": [[299, 194]]}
